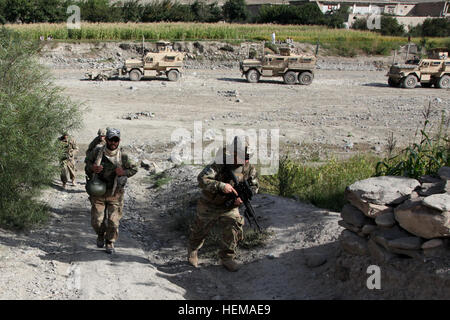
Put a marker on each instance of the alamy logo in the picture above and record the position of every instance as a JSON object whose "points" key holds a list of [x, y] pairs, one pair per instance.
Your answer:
{"points": [[205, 147], [374, 281], [374, 22], [74, 21]]}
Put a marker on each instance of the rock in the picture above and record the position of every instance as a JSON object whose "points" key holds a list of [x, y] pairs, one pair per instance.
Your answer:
{"points": [[429, 179], [428, 189], [433, 243], [368, 229], [348, 226], [406, 243], [377, 252], [369, 209], [353, 216], [416, 254], [146, 164], [434, 248], [271, 256], [444, 173], [385, 220], [382, 236], [353, 244], [422, 220], [315, 259], [384, 190], [439, 202]]}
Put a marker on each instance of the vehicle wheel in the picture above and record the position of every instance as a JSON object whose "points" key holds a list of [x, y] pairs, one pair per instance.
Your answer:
{"points": [[409, 82], [444, 82], [252, 76], [290, 77], [173, 75], [391, 82], [427, 85], [135, 75], [305, 78]]}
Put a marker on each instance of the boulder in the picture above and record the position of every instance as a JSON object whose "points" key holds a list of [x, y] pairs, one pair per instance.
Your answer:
{"points": [[348, 226], [377, 252], [368, 229], [313, 260], [433, 243], [423, 221], [369, 209], [416, 254], [406, 243], [435, 248], [439, 202], [384, 190], [353, 244], [385, 220], [427, 189], [444, 173], [382, 236], [353, 216]]}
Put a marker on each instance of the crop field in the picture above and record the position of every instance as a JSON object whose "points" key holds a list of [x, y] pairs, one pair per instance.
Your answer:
{"points": [[364, 40]]}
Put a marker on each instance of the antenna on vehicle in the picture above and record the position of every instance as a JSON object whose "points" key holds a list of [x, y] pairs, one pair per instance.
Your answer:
{"points": [[143, 48], [317, 48]]}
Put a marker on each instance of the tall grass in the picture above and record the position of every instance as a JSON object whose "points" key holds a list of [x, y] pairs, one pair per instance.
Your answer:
{"points": [[425, 156], [361, 40], [322, 185]]}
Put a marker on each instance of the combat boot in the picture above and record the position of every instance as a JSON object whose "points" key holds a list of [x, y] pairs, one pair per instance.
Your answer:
{"points": [[100, 241], [110, 248], [230, 264], [193, 257]]}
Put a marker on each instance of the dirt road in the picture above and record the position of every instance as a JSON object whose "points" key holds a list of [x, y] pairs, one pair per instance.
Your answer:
{"points": [[340, 108]]}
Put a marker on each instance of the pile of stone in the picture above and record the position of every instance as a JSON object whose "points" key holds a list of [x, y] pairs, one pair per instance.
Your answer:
{"points": [[137, 115], [389, 217]]}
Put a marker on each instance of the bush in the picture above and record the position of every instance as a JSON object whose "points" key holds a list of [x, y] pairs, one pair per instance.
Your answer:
{"points": [[424, 157], [33, 113], [235, 11], [322, 185]]}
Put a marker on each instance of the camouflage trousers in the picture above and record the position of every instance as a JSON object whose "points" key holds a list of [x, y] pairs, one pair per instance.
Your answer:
{"points": [[231, 223], [67, 170], [111, 205]]}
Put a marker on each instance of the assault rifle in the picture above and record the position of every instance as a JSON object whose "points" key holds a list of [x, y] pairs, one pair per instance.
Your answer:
{"points": [[246, 194]]}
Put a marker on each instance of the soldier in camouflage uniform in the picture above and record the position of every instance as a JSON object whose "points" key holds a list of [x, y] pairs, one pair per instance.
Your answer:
{"points": [[67, 162], [217, 187], [114, 169], [99, 139]]}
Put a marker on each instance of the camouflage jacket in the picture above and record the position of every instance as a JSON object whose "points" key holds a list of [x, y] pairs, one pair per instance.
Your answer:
{"points": [[69, 148], [108, 173], [213, 178]]}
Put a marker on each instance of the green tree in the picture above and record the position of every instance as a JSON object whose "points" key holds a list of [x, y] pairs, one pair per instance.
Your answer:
{"points": [[235, 11], [436, 28], [391, 27], [33, 112], [132, 11]]}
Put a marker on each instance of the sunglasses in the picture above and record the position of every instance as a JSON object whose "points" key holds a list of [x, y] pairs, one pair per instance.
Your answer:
{"points": [[114, 139]]}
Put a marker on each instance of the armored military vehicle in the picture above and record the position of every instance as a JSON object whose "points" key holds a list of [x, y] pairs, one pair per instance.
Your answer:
{"points": [[434, 70], [293, 68], [165, 61]]}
